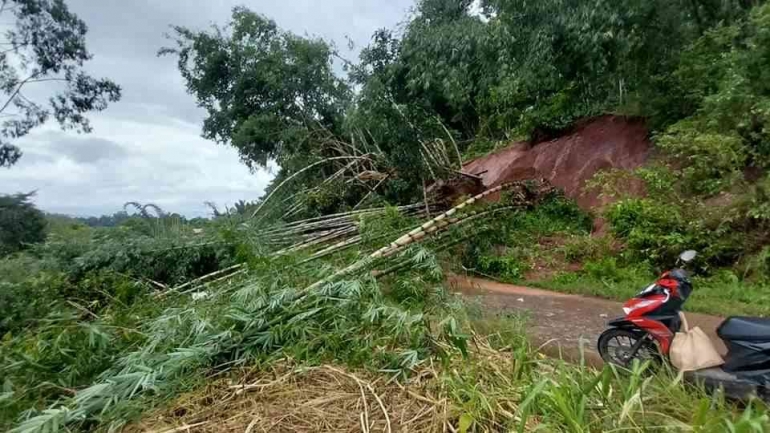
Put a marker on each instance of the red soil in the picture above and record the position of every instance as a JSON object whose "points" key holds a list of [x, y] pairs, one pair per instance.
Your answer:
{"points": [[569, 161]]}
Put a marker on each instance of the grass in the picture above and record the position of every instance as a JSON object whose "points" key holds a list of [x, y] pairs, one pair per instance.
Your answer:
{"points": [[542, 247], [89, 366], [722, 294], [502, 385]]}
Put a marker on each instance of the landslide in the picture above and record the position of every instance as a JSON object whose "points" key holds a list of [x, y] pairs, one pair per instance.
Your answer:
{"points": [[605, 142]]}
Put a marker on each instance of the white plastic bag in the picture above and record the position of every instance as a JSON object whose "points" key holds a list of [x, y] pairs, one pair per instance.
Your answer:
{"points": [[692, 349]]}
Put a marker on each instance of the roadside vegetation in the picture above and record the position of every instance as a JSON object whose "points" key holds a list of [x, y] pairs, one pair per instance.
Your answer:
{"points": [[117, 345], [332, 283]]}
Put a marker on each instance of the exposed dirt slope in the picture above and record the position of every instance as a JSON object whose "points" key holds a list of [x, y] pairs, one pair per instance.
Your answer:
{"points": [[568, 161]]}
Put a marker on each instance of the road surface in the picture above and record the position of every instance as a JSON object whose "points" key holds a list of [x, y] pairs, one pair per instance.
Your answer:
{"points": [[558, 321]]}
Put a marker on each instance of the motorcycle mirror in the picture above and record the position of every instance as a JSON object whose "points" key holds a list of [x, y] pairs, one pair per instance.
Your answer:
{"points": [[688, 256]]}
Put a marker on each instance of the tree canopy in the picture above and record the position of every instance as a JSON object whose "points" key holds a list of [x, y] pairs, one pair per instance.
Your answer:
{"points": [[517, 69], [265, 90], [46, 47]]}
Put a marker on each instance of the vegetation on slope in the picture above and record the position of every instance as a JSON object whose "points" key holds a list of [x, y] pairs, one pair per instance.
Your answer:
{"points": [[86, 366], [102, 324]]}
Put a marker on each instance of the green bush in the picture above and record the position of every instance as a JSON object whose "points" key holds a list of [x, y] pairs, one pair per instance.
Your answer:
{"points": [[582, 248], [25, 303], [509, 242], [711, 161], [651, 230], [21, 224], [507, 268]]}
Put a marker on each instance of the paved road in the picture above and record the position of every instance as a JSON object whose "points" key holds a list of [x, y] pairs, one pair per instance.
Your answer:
{"points": [[560, 321]]}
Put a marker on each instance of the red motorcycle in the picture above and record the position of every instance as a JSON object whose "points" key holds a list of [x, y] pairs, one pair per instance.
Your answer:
{"points": [[652, 319]]}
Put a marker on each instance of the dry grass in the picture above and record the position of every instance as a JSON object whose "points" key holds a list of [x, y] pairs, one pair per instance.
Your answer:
{"points": [[316, 399], [331, 398], [492, 390]]}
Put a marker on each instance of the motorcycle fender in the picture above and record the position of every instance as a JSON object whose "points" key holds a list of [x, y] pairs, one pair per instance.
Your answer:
{"points": [[622, 323], [660, 333]]}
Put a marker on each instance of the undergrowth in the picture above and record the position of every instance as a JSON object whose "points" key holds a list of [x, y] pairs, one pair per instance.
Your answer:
{"points": [[501, 385], [101, 361]]}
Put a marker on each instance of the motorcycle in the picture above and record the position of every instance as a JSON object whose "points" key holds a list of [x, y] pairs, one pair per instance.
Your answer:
{"points": [[652, 319]]}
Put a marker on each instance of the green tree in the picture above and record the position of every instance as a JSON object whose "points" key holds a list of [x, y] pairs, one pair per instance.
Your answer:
{"points": [[21, 224], [46, 47], [265, 90]]}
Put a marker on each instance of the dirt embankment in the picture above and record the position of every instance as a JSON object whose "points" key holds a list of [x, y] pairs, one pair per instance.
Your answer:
{"points": [[569, 161]]}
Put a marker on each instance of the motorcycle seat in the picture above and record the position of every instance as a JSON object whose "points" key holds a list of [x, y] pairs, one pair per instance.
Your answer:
{"points": [[745, 328]]}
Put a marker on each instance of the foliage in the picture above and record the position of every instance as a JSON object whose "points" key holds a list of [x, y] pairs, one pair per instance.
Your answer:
{"points": [[709, 178], [526, 68], [113, 220], [88, 343], [509, 246], [723, 293], [47, 43], [262, 319], [266, 91], [653, 232], [21, 224]]}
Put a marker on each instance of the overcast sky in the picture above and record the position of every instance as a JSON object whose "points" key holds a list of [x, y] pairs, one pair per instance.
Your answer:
{"points": [[147, 147]]}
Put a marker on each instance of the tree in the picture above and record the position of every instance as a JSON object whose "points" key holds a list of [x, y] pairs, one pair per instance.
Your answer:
{"points": [[265, 90], [21, 224], [45, 45]]}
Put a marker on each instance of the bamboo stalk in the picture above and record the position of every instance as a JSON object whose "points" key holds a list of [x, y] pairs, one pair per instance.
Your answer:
{"points": [[199, 279], [411, 237], [406, 239], [316, 241], [334, 248], [427, 164], [336, 158], [351, 213], [425, 197], [454, 143], [404, 263], [371, 192], [226, 277]]}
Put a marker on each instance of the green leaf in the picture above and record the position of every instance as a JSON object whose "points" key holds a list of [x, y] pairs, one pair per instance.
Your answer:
{"points": [[466, 421]]}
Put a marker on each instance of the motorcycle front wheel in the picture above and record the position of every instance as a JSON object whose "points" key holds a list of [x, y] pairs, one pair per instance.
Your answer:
{"points": [[621, 347]]}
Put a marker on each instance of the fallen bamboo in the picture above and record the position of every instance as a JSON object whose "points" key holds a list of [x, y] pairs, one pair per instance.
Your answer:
{"points": [[199, 279], [336, 158], [226, 277], [411, 237], [317, 240], [404, 263]]}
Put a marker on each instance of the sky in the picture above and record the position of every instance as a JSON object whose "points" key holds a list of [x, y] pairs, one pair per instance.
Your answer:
{"points": [[147, 147]]}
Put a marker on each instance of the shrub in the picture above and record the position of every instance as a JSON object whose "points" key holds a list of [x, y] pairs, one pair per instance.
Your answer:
{"points": [[507, 268], [710, 160], [652, 231], [21, 224]]}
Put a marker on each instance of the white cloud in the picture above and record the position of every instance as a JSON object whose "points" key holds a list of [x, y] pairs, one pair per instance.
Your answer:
{"points": [[169, 165], [147, 147]]}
